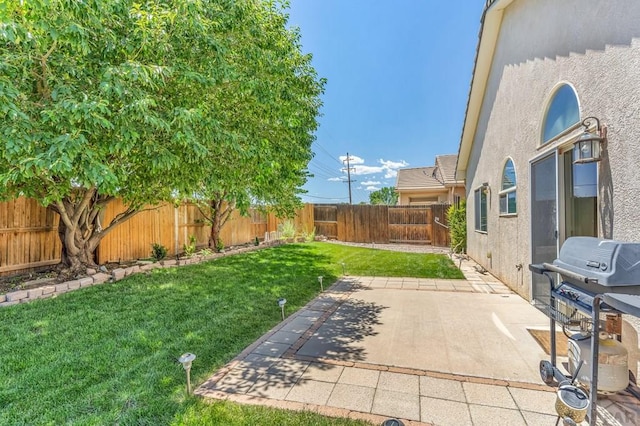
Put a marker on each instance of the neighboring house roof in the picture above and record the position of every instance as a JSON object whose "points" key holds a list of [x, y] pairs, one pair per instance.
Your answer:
{"points": [[446, 165], [489, 30], [417, 178]]}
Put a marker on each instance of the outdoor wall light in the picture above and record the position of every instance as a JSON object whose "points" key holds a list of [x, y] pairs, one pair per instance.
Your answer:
{"points": [[587, 148], [320, 281], [281, 302], [485, 187], [186, 359]]}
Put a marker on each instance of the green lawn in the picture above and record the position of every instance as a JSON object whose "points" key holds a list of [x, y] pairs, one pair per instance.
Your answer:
{"points": [[107, 354]]}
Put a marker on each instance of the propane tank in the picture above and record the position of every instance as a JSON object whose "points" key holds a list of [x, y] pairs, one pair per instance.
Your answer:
{"points": [[613, 368]]}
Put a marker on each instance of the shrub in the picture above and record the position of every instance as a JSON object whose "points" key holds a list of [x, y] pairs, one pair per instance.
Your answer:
{"points": [[310, 236], [219, 245], [205, 252], [457, 217], [287, 229], [190, 248], [158, 252]]}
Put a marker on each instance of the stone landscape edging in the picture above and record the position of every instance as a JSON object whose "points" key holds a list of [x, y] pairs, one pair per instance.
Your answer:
{"points": [[99, 277]]}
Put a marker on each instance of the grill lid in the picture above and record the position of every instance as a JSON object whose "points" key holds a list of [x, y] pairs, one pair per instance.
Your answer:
{"points": [[610, 262]]}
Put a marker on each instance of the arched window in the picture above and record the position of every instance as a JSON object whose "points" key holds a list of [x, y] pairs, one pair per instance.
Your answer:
{"points": [[508, 189], [563, 113]]}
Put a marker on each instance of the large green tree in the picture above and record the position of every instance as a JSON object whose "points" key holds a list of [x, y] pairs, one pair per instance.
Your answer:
{"points": [[387, 196], [268, 120], [136, 100]]}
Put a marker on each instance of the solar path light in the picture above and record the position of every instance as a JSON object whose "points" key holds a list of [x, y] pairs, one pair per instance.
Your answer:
{"points": [[281, 302], [344, 268], [186, 359], [320, 281]]}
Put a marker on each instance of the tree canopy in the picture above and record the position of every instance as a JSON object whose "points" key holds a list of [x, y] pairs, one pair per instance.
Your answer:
{"points": [[147, 101], [387, 196]]}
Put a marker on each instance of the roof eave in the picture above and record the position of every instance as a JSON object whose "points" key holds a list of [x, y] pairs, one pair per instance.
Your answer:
{"points": [[489, 31]]}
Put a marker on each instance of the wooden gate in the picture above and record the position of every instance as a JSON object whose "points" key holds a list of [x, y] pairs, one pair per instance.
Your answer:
{"points": [[440, 235], [363, 224], [410, 224]]}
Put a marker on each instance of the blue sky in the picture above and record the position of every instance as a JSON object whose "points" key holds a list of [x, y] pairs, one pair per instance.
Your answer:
{"points": [[398, 75]]}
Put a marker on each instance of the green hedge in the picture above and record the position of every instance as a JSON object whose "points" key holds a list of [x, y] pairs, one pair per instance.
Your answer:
{"points": [[457, 216]]}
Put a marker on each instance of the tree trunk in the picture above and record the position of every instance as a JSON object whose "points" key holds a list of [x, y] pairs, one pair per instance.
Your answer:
{"points": [[80, 229], [216, 227], [218, 212], [75, 258], [215, 216]]}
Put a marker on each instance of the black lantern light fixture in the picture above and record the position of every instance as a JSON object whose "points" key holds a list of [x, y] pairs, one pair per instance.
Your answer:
{"points": [[587, 148]]}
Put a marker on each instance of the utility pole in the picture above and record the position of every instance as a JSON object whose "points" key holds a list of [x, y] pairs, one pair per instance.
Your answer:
{"points": [[348, 170]]}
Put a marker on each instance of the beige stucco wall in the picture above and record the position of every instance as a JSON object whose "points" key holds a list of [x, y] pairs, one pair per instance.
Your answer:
{"points": [[595, 47], [444, 195], [405, 196]]}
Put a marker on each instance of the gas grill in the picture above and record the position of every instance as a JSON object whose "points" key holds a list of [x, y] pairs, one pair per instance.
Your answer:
{"points": [[595, 276]]}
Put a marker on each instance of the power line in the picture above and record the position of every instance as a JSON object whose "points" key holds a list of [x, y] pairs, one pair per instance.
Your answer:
{"points": [[327, 152], [325, 168], [325, 198]]}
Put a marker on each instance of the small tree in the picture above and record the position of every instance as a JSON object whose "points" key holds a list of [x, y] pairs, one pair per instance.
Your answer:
{"points": [[457, 218], [269, 116], [386, 196]]}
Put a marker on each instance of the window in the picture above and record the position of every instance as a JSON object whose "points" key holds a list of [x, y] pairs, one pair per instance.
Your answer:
{"points": [[563, 113], [508, 189], [480, 204]]}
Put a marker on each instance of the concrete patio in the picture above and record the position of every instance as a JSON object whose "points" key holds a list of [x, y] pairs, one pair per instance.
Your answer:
{"points": [[426, 351]]}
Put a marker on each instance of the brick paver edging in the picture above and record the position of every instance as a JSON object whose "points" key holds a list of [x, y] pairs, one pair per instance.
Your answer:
{"points": [[53, 290]]}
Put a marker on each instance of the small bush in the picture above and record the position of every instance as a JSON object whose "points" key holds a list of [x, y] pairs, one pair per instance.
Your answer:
{"points": [[219, 245], [256, 242], [190, 248], [158, 252], [457, 217], [310, 236], [205, 252], [287, 229]]}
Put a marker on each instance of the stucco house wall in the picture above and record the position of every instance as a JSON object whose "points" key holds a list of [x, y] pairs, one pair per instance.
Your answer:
{"points": [[593, 46], [405, 197]]}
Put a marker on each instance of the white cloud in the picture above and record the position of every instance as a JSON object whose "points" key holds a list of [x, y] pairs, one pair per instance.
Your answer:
{"points": [[335, 179], [393, 164], [366, 170], [387, 169], [353, 159], [390, 174], [372, 188]]}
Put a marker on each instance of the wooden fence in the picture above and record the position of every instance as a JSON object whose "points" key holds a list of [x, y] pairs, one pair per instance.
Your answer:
{"points": [[29, 232], [383, 224], [28, 236], [173, 226]]}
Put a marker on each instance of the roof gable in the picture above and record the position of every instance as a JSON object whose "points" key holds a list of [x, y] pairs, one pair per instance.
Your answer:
{"points": [[446, 165]]}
